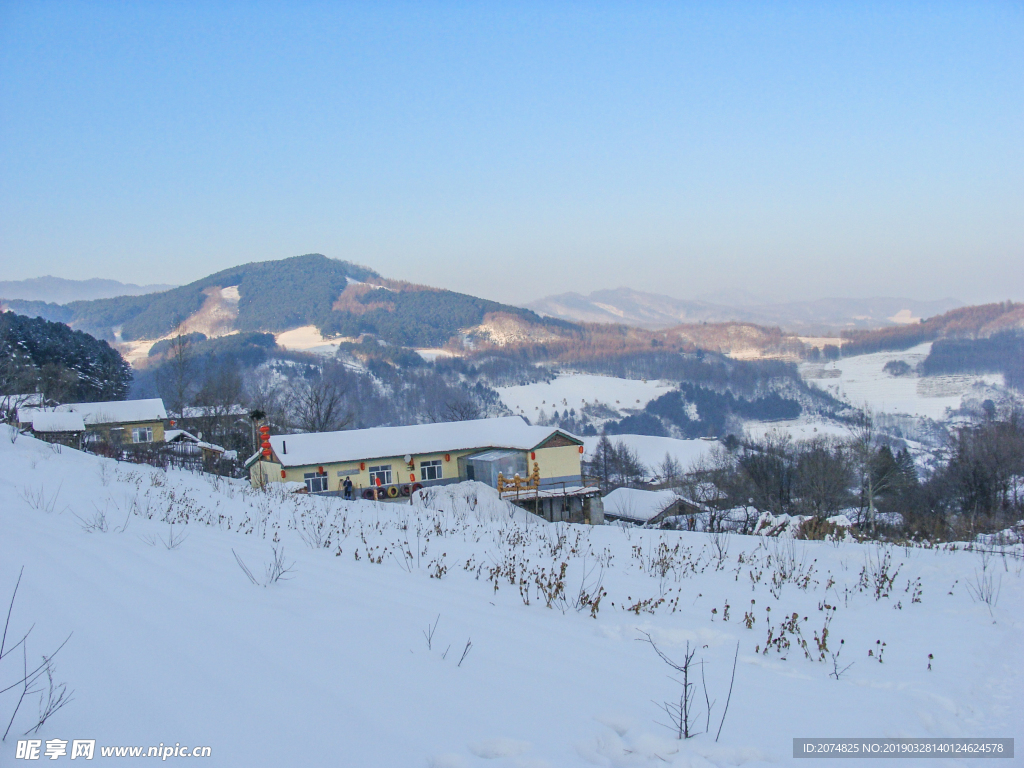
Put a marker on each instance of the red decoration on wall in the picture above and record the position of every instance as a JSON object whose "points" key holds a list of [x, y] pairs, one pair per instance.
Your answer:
{"points": [[319, 470], [447, 457], [533, 455], [412, 477], [362, 465], [282, 474], [581, 449]]}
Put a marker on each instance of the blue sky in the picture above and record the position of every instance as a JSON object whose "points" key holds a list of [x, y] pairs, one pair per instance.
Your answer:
{"points": [[513, 151]]}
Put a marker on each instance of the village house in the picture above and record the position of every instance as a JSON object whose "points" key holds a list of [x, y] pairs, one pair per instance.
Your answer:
{"points": [[116, 421], [393, 462]]}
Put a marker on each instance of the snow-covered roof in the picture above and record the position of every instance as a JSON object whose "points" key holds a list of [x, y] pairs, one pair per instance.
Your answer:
{"points": [[51, 421], [205, 411], [118, 411], [634, 504], [182, 436], [383, 442]]}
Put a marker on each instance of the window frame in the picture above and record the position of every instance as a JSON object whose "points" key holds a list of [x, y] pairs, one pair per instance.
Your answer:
{"points": [[137, 431], [381, 470], [315, 478], [433, 467]]}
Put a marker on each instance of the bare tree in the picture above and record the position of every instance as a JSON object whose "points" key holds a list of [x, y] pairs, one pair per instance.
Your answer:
{"points": [[263, 391], [461, 410], [320, 403], [670, 470], [707, 485], [874, 479], [823, 476], [178, 374]]}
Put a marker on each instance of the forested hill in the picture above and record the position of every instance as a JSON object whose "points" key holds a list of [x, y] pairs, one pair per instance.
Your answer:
{"points": [[274, 296], [338, 297], [65, 365], [976, 322]]}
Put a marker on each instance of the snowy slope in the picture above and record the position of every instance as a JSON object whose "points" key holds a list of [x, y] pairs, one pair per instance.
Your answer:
{"points": [[574, 390], [860, 380], [331, 667]]}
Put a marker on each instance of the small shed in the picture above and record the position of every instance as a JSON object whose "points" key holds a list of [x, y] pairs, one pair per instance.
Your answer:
{"points": [[54, 426]]}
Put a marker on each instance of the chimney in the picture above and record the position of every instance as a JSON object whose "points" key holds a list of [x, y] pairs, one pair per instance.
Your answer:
{"points": [[284, 446]]}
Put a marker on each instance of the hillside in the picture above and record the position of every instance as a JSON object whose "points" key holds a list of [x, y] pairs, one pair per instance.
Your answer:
{"points": [[654, 311], [59, 290], [479, 637], [65, 365], [984, 339], [974, 322]]}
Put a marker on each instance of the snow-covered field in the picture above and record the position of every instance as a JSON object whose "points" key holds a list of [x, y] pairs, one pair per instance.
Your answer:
{"points": [[651, 450], [308, 338], [337, 664], [575, 390], [798, 429], [861, 381]]}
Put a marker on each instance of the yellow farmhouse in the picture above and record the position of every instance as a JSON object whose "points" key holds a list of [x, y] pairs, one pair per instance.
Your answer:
{"points": [[398, 460]]}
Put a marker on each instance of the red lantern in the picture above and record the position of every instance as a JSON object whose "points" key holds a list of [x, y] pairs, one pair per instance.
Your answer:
{"points": [[282, 474], [412, 477], [447, 457], [533, 455], [362, 465], [581, 449], [319, 470]]}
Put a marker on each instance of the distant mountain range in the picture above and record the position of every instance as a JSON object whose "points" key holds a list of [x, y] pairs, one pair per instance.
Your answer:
{"points": [[338, 298], [322, 298], [57, 290], [654, 311]]}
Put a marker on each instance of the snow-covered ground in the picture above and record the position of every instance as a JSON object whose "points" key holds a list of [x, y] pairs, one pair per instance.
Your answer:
{"points": [[308, 338], [861, 381], [576, 390], [798, 429], [651, 450], [337, 664]]}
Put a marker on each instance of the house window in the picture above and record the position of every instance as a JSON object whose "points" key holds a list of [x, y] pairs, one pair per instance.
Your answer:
{"points": [[142, 434], [430, 470], [315, 483], [382, 473]]}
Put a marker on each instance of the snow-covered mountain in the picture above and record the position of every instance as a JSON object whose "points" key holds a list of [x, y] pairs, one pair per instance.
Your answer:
{"points": [[655, 311]]}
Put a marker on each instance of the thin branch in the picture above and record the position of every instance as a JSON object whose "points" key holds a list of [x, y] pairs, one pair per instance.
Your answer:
{"points": [[727, 698], [10, 608]]}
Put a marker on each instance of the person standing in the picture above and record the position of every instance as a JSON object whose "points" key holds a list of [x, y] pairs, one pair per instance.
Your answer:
{"points": [[347, 487]]}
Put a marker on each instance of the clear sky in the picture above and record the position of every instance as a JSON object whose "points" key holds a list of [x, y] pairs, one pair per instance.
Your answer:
{"points": [[513, 151]]}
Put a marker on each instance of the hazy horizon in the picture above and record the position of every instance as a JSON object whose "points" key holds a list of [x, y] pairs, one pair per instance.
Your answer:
{"points": [[793, 152], [725, 298]]}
